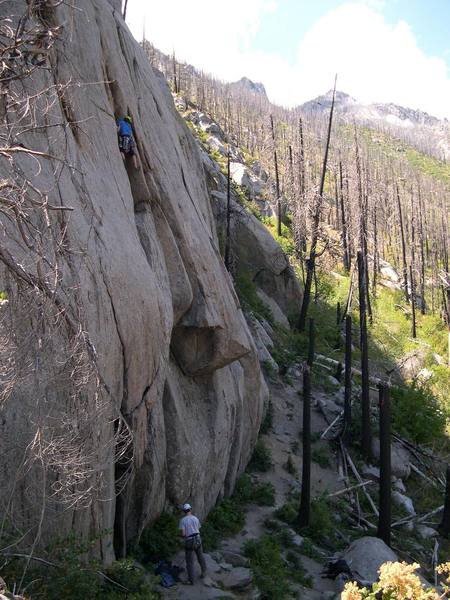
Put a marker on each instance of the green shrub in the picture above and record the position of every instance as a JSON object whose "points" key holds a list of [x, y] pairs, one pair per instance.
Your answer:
{"points": [[321, 527], [261, 459], [140, 584], [226, 519], [288, 512], [247, 293], [161, 540], [416, 414], [297, 571], [73, 577], [321, 456], [321, 524], [267, 423], [269, 569], [270, 371], [249, 491], [290, 467]]}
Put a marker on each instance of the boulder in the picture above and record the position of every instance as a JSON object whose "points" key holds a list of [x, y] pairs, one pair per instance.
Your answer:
{"points": [[216, 145], [212, 566], [234, 559], [238, 579], [366, 555], [278, 315], [404, 501], [399, 486], [260, 338], [370, 472], [426, 532], [258, 256], [244, 177], [400, 459]]}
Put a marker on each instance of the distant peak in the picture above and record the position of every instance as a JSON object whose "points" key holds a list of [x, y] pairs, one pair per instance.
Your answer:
{"points": [[251, 86]]}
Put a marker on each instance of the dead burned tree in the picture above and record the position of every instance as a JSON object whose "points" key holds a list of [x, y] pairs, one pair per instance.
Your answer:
{"points": [[413, 303], [228, 226], [303, 516], [311, 261], [348, 379], [366, 430], [344, 228], [384, 517], [403, 241], [444, 527], [277, 177]]}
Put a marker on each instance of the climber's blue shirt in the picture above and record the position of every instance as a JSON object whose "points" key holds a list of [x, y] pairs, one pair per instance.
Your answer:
{"points": [[124, 128]]}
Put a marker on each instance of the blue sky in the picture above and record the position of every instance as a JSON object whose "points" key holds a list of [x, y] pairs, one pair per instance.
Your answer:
{"points": [[383, 50]]}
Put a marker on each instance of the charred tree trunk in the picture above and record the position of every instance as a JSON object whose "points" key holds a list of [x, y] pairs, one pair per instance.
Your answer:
{"points": [[303, 516], [125, 6], [444, 527], [346, 253], [311, 262], [277, 177], [348, 379], [228, 229], [175, 79], [366, 431], [384, 518], [413, 303], [311, 343], [376, 254], [402, 235]]}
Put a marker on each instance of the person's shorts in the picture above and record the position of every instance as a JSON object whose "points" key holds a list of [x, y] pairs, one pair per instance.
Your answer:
{"points": [[127, 145]]}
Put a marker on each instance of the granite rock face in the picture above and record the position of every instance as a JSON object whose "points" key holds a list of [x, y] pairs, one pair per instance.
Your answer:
{"points": [[142, 271]]}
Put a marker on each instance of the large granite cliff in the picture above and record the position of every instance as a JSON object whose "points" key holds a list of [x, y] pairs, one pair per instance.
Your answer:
{"points": [[171, 404]]}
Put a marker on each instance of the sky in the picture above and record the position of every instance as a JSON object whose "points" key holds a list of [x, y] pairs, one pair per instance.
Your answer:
{"points": [[382, 50]]}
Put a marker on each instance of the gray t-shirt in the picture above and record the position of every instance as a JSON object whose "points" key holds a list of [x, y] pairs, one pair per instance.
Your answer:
{"points": [[189, 525]]}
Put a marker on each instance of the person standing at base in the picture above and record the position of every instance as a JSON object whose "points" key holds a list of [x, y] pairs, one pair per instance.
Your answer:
{"points": [[190, 532]]}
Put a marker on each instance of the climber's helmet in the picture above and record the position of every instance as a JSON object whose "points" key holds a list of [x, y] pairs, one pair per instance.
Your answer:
{"points": [[128, 119]]}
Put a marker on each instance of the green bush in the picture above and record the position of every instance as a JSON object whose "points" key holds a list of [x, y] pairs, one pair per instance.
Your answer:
{"points": [[416, 414], [267, 423], [290, 466], [247, 293], [321, 456], [297, 571], [226, 519], [261, 459], [161, 540], [140, 584], [321, 523], [73, 577], [321, 527], [269, 569], [288, 512], [249, 491]]}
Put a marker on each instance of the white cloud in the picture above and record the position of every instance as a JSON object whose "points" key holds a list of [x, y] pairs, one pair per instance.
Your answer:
{"points": [[375, 61], [213, 40]]}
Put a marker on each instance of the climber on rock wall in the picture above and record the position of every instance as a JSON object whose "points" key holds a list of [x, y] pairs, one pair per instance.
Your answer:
{"points": [[127, 145]]}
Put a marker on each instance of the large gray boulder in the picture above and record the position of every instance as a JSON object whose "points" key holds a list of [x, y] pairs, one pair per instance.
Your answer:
{"points": [[366, 555], [167, 407], [400, 459]]}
